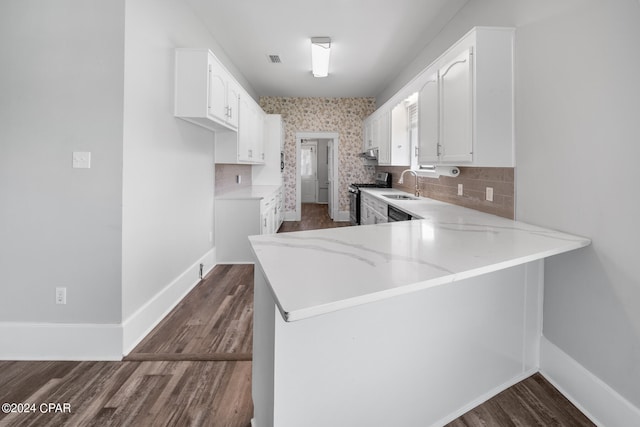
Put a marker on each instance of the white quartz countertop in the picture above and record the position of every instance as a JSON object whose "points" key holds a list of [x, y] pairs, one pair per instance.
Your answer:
{"points": [[320, 271], [249, 192]]}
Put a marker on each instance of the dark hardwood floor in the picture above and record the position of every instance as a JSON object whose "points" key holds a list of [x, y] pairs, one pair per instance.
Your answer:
{"points": [[213, 322], [314, 216], [194, 369], [129, 393]]}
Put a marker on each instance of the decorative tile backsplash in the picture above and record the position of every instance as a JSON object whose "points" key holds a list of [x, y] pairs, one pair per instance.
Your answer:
{"points": [[474, 182], [341, 115]]}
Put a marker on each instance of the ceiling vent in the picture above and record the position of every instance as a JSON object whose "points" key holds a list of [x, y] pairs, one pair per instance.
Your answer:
{"points": [[274, 59]]}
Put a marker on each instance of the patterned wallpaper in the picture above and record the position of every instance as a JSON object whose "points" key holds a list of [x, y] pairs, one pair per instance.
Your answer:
{"points": [[341, 115]]}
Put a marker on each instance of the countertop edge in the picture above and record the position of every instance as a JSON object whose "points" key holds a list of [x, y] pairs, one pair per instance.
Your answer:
{"points": [[253, 192], [306, 313]]}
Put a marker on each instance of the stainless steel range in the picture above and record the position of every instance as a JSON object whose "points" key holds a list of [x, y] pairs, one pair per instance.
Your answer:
{"points": [[383, 180]]}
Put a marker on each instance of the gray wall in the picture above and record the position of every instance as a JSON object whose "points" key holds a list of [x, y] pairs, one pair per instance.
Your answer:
{"points": [[97, 76], [59, 226], [577, 126], [168, 163]]}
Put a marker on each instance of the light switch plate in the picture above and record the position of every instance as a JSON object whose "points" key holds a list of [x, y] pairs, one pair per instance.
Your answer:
{"points": [[81, 159], [460, 190]]}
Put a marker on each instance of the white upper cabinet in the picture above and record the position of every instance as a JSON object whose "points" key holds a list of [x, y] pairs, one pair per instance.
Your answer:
{"points": [[428, 121], [367, 133], [251, 132], [381, 134], [456, 105], [466, 102], [205, 92], [245, 146]]}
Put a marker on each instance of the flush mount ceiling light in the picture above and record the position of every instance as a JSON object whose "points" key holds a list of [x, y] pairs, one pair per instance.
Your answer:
{"points": [[320, 51]]}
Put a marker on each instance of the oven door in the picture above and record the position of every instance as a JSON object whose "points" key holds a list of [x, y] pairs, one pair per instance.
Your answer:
{"points": [[354, 206]]}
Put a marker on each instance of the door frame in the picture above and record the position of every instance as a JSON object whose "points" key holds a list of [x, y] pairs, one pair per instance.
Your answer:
{"points": [[334, 197]]}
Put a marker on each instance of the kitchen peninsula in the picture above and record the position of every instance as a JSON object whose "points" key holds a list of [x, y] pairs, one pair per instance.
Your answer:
{"points": [[405, 323]]}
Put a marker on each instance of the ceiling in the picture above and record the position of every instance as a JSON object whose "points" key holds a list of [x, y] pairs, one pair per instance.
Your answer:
{"points": [[372, 40]]}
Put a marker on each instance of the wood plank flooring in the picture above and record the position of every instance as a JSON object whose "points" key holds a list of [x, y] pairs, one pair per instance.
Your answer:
{"points": [[129, 393], [213, 322], [194, 369], [314, 216], [532, 402]]}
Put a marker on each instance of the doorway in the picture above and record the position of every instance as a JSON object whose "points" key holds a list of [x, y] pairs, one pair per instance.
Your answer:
{"points": [[317, 166]]}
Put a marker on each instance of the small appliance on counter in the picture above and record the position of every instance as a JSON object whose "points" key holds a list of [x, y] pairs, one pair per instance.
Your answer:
{"points": [[383, 180]]}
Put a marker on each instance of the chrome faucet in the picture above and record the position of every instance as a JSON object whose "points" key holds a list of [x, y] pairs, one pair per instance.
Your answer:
{"points": [[401, 180]]}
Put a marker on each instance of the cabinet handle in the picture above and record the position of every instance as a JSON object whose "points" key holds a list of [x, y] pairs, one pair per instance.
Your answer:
{"points": [[438, 152], [230, 112]]}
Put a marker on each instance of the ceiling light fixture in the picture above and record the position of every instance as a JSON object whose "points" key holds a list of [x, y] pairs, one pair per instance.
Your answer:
{"points": [[320, 51]]}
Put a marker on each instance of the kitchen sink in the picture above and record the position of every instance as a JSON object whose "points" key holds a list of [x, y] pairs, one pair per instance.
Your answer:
{"points": [[399, 197]]}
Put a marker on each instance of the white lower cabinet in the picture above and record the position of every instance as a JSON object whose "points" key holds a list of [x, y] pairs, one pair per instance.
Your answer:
{"points": [[243, 213], [270, 214], [372, 210]]}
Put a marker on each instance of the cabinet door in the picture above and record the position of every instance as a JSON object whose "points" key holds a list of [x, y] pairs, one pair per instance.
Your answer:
{"points": [[384, 139], [456, 109], [428, 122], [367, 134], [245, 149], [217, 103], [258, 143], [375, 132], [233, 101]]}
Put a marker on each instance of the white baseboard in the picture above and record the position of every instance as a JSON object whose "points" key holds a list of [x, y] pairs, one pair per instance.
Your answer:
{"points": [[292, 216], [486, 396], [60, 341], [140, 323], [597, 400], [71, 341], [343, 216]]}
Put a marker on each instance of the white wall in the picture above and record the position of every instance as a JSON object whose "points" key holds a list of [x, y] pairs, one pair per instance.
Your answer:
{"points": [[60, 226], [577, 127]]}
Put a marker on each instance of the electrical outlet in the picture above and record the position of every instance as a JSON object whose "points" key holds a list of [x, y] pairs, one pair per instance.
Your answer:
{"points": [[460, 190], [61, 295], [489, 194]]}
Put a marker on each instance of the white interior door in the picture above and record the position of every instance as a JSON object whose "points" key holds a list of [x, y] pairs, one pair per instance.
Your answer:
{"points": [[309, 171]]}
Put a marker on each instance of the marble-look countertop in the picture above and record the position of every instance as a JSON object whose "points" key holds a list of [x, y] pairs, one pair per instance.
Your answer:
{"points": [[249, 192], [320, 271]]}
